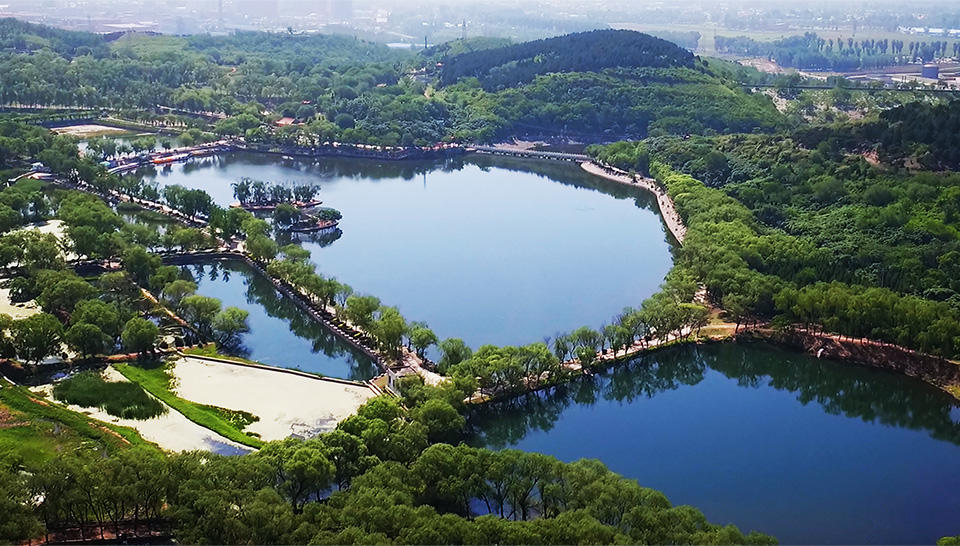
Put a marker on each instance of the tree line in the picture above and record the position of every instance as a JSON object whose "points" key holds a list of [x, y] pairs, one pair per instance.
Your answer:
{"points": [[811, 52], [382, 476]]}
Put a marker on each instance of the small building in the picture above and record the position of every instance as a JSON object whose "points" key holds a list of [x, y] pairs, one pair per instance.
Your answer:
{"points": [[930, 70], [283, 122]]}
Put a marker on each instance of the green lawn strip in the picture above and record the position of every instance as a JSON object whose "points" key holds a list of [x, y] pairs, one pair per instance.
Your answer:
{"points": [[120, 399], [41, 416], [227, 423]]}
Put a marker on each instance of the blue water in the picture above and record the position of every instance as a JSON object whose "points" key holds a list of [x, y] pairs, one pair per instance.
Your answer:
{"points": [[488, 250], [806, 450], [280, 333]]}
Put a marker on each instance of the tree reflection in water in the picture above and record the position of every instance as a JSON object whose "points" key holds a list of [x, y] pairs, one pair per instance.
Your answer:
{"points": [[259, 293], [840, 389]]}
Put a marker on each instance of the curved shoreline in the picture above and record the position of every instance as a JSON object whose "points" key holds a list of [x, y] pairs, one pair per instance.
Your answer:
{"points": [[668, 211]]}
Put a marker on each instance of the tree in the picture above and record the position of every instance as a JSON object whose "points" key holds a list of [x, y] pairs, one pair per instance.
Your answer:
{"points": [[261, 248], [139, 335], [18, 523], [37, 337], [105, 316], [228, 325], [421, 338], [163, 276], [62, 296], [360, 309], [285, 215], [118, 286], [174, 293], [200, 311], [453, 351], [443, 422], [389, 330], [140, 264], [87, 339]]}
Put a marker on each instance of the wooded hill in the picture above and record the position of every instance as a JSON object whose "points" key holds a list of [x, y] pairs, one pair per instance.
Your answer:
{"points": [[580, 52]]}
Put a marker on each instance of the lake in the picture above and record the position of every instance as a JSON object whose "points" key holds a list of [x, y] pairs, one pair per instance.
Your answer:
{"points": [[809, 451], [489, 250]]}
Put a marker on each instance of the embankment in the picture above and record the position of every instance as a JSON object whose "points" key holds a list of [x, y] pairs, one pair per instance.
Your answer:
{"points": [[941, 373]]}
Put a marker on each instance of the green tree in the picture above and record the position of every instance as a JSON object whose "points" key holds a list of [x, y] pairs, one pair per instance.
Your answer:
{"points": [[140, 264], [421, 338], [139, 335], [200, 311], [37, 337], [228, 325], [453, 351], [87, 339], [261, 247], [176, 291], [443, 422]]}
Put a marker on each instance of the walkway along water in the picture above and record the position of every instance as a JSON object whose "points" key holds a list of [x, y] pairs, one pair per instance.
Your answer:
{"points": [[356, 337], [668, 210], [944, 377]]}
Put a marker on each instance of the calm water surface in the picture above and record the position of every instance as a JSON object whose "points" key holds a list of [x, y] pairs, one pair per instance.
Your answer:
{"points": [[280, 333], [809, 451], [491, 251]]}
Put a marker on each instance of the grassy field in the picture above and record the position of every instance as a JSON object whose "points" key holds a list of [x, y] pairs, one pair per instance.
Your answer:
{"points": [[120, 399], [34, 430], [227, 423]]}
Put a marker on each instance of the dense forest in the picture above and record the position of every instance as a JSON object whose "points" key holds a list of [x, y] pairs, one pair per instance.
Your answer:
{"points": [[811, 52], [587, 51], [817, 236], [346, 90]]}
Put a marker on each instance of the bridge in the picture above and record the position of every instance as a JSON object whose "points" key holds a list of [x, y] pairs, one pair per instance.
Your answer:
{"points": [[533, 154]]}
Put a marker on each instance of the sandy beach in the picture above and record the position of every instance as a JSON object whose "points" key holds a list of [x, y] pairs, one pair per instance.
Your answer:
{"points": [[286, 404], [171, 431]]}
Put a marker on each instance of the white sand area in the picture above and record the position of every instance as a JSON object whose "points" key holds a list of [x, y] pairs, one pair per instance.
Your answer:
{"points": [[171, 431], [58, 229], [286, 404], [16, 311], [88, 130]]}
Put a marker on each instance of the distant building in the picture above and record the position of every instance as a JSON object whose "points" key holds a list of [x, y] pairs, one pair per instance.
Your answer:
{"points": [[931, 71]]}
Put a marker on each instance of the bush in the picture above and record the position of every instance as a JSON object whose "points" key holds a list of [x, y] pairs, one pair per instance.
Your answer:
{"points": [[120, 399]]}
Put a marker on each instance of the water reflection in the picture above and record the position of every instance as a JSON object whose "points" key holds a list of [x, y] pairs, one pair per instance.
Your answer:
{"points": [[281, 334], [873, 396]]}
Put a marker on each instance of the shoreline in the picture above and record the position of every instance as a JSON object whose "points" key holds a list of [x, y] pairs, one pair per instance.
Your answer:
{"points": [[668, 211]]}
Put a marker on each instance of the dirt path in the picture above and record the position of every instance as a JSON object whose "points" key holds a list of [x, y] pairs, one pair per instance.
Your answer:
{"points": [[668, 211]]}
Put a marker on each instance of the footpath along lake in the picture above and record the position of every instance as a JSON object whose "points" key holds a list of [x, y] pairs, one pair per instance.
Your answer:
{"points": [[810, 451], [488, 250]]}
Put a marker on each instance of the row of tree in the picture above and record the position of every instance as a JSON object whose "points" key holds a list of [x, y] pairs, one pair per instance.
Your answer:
{"points": [[811, 52], [377, 478]]}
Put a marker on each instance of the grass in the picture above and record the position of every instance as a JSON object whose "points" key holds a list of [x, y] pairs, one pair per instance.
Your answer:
{"points": [[35, 430], [120, 399], [227, 423]]}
